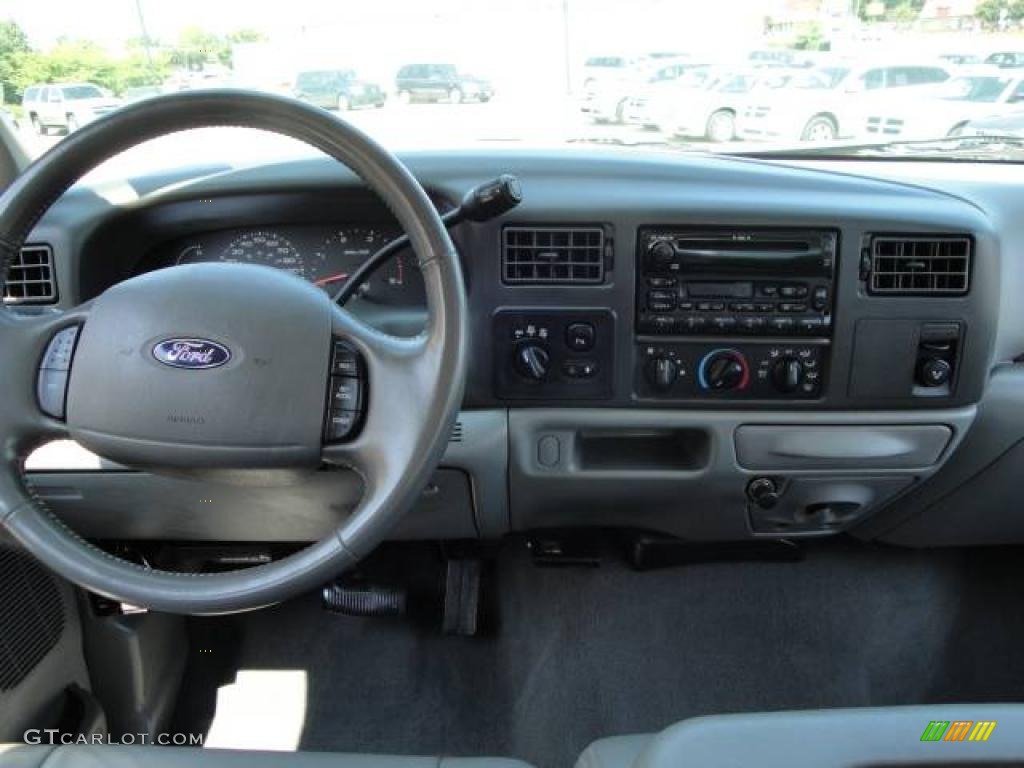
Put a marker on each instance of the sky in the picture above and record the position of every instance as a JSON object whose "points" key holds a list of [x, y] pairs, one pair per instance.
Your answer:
{"points": [[112, 21]]}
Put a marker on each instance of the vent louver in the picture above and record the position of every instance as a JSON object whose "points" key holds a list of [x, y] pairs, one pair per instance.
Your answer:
{"points": [[919, 265], [31, 278], [456, 435], [553, 255]]}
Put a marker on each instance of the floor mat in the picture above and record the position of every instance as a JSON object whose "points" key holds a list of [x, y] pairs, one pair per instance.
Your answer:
{"points": [[582, 653]]}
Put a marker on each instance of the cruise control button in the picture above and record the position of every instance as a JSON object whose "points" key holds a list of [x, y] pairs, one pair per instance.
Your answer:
{"points": [[51, 389], [60, 349], [346, 360], [346, 393], [340, 424]]}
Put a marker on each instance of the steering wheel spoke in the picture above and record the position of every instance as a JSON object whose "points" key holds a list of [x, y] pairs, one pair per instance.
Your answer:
{"points": [[38, 351], [396, 379]]}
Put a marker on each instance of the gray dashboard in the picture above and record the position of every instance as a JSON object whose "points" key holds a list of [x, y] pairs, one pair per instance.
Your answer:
{"points": [[869, 451]]}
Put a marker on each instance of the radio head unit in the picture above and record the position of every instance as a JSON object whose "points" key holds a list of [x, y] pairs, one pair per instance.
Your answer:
{"points": [[748, 282]]}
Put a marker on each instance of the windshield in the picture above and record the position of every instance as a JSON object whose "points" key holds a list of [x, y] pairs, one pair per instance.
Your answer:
{"points": [[778, 76]]}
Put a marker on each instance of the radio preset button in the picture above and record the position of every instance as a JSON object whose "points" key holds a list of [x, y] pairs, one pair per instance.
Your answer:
{"points": [[754, 323], [724, 322], [783, 324], [767, 289], [686, 305], [661, 296], [820, 299], [661, 282], [764, 306], [661, 306], [787, 306]]}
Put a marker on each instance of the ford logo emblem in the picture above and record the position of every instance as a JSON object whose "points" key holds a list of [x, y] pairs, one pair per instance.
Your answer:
{"points": [[196, 354]]}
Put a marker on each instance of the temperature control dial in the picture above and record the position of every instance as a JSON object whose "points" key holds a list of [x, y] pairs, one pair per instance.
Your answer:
{"points": [[722, 370]]}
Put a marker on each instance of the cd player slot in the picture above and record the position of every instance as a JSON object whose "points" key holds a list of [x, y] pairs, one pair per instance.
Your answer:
{"points": [[731, 290]]}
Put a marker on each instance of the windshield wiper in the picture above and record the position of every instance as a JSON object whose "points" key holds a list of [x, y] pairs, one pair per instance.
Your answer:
{"points": [[985, 147]]}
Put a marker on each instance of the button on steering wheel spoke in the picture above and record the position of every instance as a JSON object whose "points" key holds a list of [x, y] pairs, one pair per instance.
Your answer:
{"points": [[39, 350]]}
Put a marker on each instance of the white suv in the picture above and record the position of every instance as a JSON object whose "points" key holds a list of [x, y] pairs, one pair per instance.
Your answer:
{"points": [[65, 106], [822, 104]]}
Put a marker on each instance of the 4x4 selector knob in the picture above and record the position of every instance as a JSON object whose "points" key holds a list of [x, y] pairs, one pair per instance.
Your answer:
{"points": [[786, 374], [661, 254], [532, 361], [723, 369]]}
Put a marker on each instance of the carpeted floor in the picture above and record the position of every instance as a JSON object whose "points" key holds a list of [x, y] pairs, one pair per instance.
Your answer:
{"points": [[582, 653]]}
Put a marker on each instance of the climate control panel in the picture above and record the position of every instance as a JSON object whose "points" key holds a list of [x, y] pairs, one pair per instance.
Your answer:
{"points": [[731, 371]]}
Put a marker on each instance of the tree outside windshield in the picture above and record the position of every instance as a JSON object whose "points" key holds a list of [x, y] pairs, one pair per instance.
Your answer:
{"points": [[650, 74]]}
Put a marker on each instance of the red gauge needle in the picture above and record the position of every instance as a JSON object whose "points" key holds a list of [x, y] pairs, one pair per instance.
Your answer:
{"points": [[331, 279]]}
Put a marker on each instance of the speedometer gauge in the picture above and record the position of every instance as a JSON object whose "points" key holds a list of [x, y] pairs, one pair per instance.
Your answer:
{"points": [[270, 249]]}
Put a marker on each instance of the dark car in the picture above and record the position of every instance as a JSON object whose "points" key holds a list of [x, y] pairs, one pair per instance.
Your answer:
{"points": [[337, 89], [440, 82]]}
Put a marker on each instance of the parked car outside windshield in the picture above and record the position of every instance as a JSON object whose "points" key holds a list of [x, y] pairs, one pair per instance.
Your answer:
{"points": [[585, 74]]}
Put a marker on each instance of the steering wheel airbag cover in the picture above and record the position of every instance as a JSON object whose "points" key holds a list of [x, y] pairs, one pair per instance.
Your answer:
{"points": [[261, 402]]}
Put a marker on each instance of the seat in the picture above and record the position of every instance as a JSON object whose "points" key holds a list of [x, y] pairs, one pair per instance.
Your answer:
{"points": [[94, 756], [826, 738]]}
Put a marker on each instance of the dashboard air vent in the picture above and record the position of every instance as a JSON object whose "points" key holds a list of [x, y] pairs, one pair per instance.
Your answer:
{"points": [[31, 278], [936, 265], [553, 255], [456, 435]]}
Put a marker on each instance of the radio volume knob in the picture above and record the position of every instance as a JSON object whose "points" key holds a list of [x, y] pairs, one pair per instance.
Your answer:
{"points": [[661, 254]]}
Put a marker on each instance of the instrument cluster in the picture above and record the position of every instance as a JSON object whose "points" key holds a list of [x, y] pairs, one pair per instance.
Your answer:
{"points": [[325, 255]]}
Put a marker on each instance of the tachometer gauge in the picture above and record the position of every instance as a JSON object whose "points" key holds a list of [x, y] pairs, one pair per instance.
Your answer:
{"points": [[270, 249], [344, 252], [190, 254]]}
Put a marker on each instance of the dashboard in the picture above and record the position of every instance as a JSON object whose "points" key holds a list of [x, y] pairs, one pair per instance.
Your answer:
{"points": [[325, 255], [708, 347]]}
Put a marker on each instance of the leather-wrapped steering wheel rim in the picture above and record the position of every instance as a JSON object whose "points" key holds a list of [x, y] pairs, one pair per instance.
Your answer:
{"points": [[415, 384]]}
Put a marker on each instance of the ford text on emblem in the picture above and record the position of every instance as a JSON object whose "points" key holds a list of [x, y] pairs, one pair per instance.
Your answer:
{"points": [[191, 353]]}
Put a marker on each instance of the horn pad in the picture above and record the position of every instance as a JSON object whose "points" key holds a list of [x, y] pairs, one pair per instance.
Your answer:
{"points": [[204, 366]]}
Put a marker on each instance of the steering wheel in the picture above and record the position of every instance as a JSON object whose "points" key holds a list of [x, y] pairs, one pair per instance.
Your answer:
{"points": [[227, 367]]}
